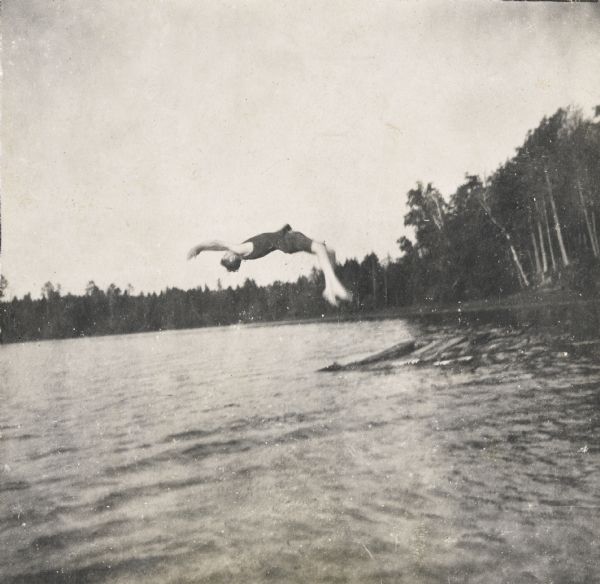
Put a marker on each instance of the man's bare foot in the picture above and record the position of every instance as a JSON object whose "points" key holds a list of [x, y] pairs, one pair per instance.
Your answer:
{"points": [[344, 295], [335, 293], [330, 296]]}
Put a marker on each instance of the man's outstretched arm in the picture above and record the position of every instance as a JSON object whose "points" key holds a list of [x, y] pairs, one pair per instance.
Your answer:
{"points": [[217, 245]]}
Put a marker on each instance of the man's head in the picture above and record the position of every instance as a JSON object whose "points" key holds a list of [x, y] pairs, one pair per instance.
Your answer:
{"points": [[231, 261]]}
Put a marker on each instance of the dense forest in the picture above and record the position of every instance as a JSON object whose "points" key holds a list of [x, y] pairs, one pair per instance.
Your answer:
{"points": [[533, 223]]}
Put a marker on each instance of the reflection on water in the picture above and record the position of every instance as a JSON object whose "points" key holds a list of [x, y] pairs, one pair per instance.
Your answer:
{"points": [[222, 456]]}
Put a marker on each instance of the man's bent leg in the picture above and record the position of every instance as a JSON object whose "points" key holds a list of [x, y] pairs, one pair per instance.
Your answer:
{"points": [[333, 287]]}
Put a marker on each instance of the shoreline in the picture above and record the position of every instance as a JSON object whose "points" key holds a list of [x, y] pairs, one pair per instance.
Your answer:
{"points": [[523, 301]]}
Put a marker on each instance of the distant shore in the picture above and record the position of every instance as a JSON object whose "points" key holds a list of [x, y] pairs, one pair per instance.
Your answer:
{"points": [[569, 310]]}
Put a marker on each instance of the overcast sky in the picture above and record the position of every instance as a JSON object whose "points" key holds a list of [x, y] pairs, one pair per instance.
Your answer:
{"points": [[131, 130]]}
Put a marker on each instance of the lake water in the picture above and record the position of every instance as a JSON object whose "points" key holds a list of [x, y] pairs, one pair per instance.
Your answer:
{"points": [[221, 455]]}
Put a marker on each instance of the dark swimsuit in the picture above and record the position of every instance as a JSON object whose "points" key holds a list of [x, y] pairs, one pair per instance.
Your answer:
{"points": [[285, 240]]}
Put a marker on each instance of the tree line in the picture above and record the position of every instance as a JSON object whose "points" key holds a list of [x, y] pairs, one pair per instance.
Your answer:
{"points": [[533, 223], [116, 311]]}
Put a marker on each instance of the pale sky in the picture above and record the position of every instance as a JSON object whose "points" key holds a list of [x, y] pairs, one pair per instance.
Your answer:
{"points": [[131, 130]]}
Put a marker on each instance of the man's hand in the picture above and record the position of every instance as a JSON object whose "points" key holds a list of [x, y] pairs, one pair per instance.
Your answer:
{"points": [[194, 251]]}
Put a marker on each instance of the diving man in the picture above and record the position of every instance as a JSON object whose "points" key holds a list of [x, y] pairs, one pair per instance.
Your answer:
{"points": [[287, 241]]}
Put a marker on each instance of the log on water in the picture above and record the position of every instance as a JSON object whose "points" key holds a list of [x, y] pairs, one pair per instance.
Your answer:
{"points": [[438, 351], [443, 351], [433, 351], [394, 352]]}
